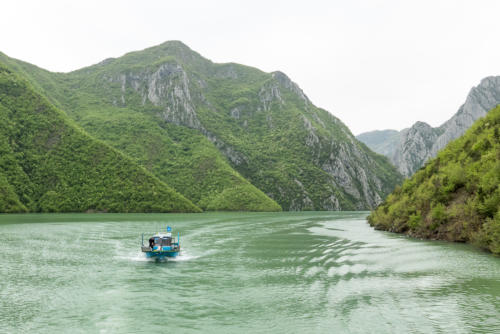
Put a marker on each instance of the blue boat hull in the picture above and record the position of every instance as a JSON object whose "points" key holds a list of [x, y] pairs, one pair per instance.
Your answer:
{"points": [[161, 255]]}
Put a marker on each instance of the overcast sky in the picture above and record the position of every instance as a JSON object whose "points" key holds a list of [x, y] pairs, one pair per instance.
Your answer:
{"points": [[374, 64]]}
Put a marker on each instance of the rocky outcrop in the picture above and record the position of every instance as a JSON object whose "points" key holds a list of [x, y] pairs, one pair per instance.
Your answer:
{"points": [[416, 145], [414, 148], [167, 87], [269, 93], [285, 81], [480, 100]]}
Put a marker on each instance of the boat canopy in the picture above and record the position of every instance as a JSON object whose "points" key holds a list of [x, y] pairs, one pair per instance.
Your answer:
{"points": [[163, 235]]}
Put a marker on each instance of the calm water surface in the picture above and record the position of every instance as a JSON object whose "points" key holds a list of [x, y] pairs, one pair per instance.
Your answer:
{"points": [[256, 273]]}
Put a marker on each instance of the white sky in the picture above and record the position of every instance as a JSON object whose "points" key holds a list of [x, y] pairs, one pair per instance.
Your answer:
{"points": [[374, 64]]}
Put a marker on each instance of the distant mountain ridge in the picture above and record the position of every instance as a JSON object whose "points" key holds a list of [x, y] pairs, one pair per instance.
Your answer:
{"points": [[411, 148], [219, 132], [381, 141]]}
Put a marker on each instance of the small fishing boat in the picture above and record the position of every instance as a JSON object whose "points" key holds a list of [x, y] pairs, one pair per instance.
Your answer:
{"points": [[162, 245]]}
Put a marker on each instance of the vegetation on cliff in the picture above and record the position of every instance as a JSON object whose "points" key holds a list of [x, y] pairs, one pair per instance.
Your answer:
{"points": [[220, 131], [48, 164], [455, 196]]}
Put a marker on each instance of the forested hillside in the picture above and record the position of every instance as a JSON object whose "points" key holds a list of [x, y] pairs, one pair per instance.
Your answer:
{"points": [[48, 164], [455, 196]]}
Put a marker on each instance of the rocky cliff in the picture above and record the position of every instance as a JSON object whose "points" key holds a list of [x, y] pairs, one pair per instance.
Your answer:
{"points": [[414, 148], [480, 100], [421, 142]]}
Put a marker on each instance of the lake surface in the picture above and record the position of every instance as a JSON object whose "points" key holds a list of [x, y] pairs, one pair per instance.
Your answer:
{"points": [[239, 272]]}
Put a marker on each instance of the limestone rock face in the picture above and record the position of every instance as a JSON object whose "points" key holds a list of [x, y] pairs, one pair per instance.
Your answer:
{"points": [[285, 81], [414, 148], [480, 100], [410, 148]]}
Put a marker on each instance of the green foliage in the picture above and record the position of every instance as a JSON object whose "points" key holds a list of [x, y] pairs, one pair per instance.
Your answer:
{"points": [[241, 198], [179, 156], [414, 221], [438, 215], [9, 201], [49, 165], [456, 196], [491, 234]]}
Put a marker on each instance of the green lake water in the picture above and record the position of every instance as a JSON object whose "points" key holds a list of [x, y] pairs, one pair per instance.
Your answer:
{"points": [[239, 273]]}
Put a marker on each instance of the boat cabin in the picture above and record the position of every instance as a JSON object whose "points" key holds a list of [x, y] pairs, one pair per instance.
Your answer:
{"points": [[160, 240]]}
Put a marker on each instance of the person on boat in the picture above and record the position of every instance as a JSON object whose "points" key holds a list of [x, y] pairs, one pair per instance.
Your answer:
{"points": [[151, 242]]}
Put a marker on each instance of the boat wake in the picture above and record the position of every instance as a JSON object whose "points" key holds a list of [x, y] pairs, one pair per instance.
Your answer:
{"points": [[183, 256], [136, 257], [186, 256]]}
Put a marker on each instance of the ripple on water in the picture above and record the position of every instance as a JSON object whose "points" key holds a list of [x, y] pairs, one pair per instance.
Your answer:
{"points": [[265, 273]]}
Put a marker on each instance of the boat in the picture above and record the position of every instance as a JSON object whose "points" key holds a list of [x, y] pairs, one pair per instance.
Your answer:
{"points": [[162, 245]]}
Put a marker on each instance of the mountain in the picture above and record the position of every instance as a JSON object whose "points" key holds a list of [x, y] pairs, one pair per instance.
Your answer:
{"points": [[220, 132], [381, 141], [422, 142], [456, 196], [415, 147], [48, 164], [179, 156]]}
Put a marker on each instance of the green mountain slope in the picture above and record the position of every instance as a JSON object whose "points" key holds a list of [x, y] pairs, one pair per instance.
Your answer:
{"points": [[206, 128], [47, 164], [456, 196], [179, 156]]}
